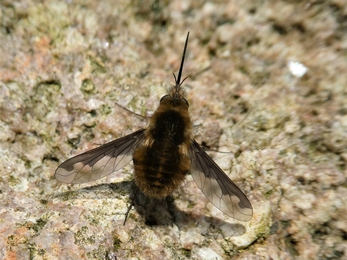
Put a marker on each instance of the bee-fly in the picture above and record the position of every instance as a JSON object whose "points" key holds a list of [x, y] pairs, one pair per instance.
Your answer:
{"points": [[163, 154]]}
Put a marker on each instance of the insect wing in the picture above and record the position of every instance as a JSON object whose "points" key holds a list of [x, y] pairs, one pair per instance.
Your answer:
{"points": [[217, 186], [101, 161]]}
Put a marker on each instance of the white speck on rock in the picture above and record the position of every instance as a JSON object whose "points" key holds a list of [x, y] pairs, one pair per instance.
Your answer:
{"points": [[297, 69]]}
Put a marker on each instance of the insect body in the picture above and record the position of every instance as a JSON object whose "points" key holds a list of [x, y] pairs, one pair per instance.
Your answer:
{"points": [[163, 154]]}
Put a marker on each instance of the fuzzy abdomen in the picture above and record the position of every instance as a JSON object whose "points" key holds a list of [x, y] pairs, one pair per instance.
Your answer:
{"points": [[159, 173], [161, 164]]}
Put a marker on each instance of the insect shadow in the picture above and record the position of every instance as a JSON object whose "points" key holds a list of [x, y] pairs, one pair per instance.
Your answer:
{"points": [[154, 212]]}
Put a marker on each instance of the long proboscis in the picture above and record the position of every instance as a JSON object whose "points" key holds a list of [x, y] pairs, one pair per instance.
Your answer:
{"points": [[178, 80]]}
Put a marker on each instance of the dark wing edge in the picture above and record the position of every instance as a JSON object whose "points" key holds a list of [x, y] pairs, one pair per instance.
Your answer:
{"points": [[101, 161], [217, 186]]}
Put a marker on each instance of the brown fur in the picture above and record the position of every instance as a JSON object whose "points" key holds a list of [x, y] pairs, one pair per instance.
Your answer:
{"points": [[162, 162]]}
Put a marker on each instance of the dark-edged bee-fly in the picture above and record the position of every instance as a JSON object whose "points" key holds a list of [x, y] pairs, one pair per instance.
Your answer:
{"points": [[163, 154]]}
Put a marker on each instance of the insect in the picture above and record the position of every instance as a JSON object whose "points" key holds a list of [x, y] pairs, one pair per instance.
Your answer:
{"points": [[163, 154]]}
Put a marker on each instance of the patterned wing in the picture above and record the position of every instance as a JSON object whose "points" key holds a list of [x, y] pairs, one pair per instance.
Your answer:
{"points": [[216, 185], [101, 161]]}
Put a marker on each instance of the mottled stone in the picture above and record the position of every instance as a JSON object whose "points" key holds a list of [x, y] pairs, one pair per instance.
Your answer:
{"points": [[64, 65]]}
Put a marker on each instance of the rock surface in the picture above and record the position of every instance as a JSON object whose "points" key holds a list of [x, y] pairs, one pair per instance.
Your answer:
{"points": [[267, 83]]}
